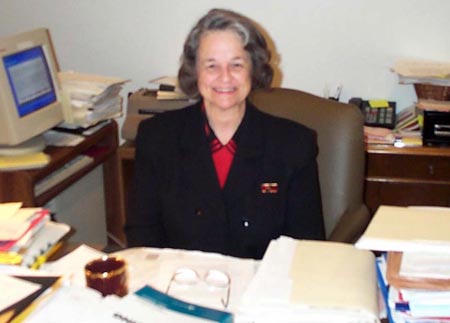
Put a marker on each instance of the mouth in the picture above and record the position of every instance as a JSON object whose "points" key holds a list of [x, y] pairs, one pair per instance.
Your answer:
{"points": [[225, 90]]}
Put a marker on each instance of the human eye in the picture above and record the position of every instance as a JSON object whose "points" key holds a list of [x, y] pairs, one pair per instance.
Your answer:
{"points": [[238, 65]]}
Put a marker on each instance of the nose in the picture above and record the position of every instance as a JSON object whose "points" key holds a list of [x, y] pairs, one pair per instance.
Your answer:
{"points": [[225, 74]]}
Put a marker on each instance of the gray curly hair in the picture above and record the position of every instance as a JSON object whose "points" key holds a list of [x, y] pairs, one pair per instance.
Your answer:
{"points": [[252, 39]]}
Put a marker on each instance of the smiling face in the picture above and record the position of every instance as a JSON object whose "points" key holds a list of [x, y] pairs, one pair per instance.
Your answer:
{"points": [[223, 70]]}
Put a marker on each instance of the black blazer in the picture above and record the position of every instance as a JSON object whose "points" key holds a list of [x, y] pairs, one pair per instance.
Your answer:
{"points": [[176, 200]]}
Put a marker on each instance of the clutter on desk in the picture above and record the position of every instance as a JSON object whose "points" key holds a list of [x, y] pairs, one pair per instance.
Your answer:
{"points": [[90, 99], [24, 292], [312, 281], [413, 269], [150, 272], [431, 81], [27, 236]]}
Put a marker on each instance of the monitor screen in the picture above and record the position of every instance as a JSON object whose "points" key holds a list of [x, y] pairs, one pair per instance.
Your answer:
{"points": [[30, 80]]}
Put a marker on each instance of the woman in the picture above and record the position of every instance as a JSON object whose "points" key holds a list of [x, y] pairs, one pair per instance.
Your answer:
{"points": [[220, 175]]}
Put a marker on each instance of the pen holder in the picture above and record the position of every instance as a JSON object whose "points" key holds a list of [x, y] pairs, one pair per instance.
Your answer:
{"points": [[108, 275]]}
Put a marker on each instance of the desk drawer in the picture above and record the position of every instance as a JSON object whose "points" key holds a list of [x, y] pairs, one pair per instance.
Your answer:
{"points": [[436, 168], [378, 192]]}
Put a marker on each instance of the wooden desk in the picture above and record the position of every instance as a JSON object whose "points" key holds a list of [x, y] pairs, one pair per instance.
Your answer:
{"points": [[102, 145], [407, 176]]}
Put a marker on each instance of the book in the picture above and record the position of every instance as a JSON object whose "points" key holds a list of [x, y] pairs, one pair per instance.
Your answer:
{"points": [[409, 119], [17, 230], [27, 161]]}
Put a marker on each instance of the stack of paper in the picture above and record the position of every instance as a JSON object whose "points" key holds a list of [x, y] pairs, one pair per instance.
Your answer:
{"points": [[378, 135], [413, 275], [27, 235], [423, 71], [90, 99], [312, 281]]}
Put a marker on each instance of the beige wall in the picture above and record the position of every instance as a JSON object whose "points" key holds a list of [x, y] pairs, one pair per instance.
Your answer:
{"points": [[319, 42]]}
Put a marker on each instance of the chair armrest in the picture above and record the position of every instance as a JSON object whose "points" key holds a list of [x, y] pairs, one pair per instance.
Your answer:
{"points": [[351, 225]]}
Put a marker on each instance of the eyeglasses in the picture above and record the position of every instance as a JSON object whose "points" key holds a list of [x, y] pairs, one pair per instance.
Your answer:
{"points": [[215, 279]]}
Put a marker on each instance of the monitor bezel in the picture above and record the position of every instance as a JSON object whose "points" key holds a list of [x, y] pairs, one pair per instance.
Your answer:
{"points": [[15, 129]]}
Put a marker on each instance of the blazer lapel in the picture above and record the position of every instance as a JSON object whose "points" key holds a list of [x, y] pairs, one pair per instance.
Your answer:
{"points": [[197, 162], [247, 161]]}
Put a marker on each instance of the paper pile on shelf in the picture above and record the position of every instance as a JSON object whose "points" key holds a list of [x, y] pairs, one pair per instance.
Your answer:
{"points": [[90, 99], [419, 299], [422, 71], [312, 281], [413, 274], [27, 234]]}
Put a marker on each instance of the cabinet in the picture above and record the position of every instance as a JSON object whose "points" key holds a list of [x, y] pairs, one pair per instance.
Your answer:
{"points": [[101, 145], [407, 176]]}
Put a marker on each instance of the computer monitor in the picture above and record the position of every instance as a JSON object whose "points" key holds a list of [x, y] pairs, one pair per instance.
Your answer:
{"points": [[30, 99]]}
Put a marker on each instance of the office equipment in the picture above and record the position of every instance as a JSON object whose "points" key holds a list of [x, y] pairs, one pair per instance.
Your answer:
{"points": [[30, 94], [436, 127], [168, 88], [407, 176], [377, 113], [143, 104]]}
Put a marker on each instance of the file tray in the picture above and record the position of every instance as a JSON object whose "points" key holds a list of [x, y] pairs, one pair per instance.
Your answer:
{"points": [[394, 260], [144, 104]]}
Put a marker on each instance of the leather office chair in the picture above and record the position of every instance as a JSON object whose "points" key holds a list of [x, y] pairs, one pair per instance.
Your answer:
{"points": [[341, 158]]}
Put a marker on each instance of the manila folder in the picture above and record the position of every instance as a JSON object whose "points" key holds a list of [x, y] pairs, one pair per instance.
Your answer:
{"points": [[333, 275]]}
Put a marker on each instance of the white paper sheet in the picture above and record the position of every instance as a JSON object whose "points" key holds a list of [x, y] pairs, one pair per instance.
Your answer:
{"points": [[14, 289]]}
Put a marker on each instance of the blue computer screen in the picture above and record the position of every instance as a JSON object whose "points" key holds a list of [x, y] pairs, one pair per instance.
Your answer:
{"points": [[30, 80]]}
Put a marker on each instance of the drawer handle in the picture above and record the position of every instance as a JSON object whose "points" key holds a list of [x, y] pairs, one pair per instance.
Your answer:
{"points": [[431, 169]]}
